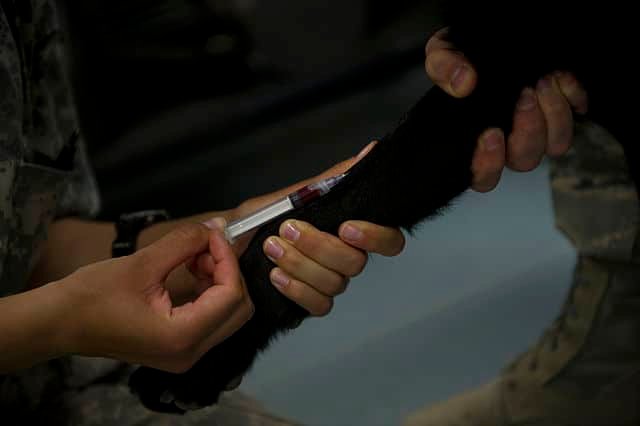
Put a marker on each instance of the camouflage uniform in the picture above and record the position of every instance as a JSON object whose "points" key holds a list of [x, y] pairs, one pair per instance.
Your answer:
{"points": [[594, 197], [585, 369], [44, 175]]}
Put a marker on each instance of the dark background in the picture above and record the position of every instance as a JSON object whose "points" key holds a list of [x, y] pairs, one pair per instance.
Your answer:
{"points": [[172, 93]]}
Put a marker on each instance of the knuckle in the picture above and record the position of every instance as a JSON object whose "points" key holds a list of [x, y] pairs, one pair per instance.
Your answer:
{"points": [[314, 243], [555, 107], [291, 262], [238, 298], [242, 302], [529, 125], [335, 244], [357, 264], [339, 285]]}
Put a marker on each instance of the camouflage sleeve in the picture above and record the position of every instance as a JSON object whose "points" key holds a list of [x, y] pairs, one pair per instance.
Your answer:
{"points": [[55, 123], [37, 109], [594, 197], [10, 90], [79, 196], [44, 171]]}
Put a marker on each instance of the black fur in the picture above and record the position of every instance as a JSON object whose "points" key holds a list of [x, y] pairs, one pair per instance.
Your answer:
{"points": [[512, 44]]}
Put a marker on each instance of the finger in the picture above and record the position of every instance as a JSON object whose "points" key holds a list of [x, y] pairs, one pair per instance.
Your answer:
{"points": [[325, 249], [204, 272], [302, 268], [372, 238], [256, 203], [316, 303], [573, 92], [528, 140], [558, 116], [172, 250], [451, 72], [438, 41], [202, 266], [447, 67], [226, 298], [488, 160]]}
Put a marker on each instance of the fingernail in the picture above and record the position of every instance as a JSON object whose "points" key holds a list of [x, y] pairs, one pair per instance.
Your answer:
{"points": [[527, 100], [459, 78], [492, 140], [351, 233], [544, 84], [279, 278], [215, 223], [290, 232], [273, 249]]}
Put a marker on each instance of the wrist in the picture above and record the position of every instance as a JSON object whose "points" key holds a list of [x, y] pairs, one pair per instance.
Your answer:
{"points": [[159, 230], [52, 321], [65, 296], [154, 232]]}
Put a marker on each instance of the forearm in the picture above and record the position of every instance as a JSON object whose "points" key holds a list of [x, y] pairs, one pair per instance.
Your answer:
{"points": [[73, 243], [34, 327]]}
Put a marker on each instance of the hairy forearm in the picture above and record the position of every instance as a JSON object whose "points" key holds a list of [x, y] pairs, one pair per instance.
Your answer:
{"points": [[34, 327]]}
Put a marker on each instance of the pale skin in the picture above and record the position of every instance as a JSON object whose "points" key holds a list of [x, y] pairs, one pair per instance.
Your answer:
{"points": [[182, 292]]}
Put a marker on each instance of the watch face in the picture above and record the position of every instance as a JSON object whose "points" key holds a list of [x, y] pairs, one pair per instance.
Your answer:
{"points": [[146, 216], [129, 226]]}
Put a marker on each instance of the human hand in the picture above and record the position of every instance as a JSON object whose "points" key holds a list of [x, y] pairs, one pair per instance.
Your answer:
{"points": [[120, 308], [312, 267], [542, 121]]}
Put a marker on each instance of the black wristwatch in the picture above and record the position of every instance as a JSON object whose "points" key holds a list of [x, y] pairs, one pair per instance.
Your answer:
{"points": [[129, 226]]}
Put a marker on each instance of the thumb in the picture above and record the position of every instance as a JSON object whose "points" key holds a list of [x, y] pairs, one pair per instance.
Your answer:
{"points": [[175, 248], [448, 68], [223, 307]]}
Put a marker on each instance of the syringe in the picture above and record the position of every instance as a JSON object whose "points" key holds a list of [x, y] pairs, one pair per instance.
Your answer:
{"points": [[292, 201]]}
